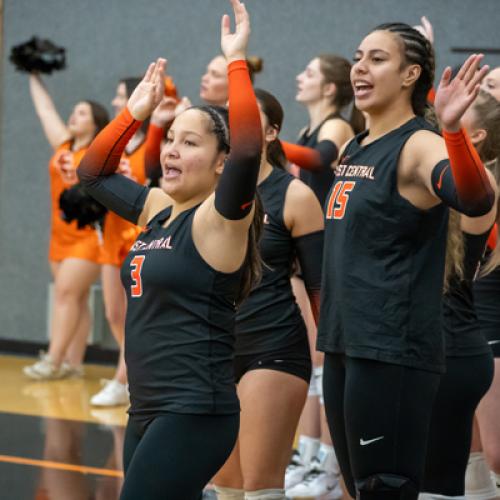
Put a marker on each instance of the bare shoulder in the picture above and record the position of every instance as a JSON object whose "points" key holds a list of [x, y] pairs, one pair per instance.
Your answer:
{"points": [[156, 201], [336, 130], [302, 211], [423, 150]]}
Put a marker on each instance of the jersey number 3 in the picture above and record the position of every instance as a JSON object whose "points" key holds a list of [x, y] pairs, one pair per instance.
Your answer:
{"points": [[337, 203], [136, 264]]}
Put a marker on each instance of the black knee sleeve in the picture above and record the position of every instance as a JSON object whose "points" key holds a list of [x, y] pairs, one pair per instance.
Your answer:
{"points": [[386, 487]]}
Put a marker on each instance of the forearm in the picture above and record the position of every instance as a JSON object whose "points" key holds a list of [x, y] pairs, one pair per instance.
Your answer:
{"points": [[236, 189], [462, 182], [152, 153], [97, 170], [309, 250], [315, 159], [54, 127]]}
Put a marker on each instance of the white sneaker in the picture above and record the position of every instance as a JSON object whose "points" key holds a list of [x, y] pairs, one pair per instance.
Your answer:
{"points": [[295, 471], [74, 371], [317, 483], [45, 369], [112, 394]]}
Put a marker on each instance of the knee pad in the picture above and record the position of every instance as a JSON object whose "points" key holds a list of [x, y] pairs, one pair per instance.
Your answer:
{"points": [[271, 494], [386, 487], [229, 493]]}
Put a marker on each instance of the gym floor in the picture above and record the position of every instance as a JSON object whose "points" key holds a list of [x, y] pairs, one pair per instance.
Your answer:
{"points": [[53, 444]]}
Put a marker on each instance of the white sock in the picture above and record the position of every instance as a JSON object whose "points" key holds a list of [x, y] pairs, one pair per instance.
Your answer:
{"points": [[434, 496], [496, 478], [270, 494], [318, 373], [229, 493], [308, 447], [479, 484], [313, 386], [328, 459]]}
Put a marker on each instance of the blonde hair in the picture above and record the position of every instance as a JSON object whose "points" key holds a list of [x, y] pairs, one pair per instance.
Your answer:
{"points": [[487, 116], [455, 250]]}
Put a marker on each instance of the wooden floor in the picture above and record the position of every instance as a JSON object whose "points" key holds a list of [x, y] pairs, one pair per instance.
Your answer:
{"points": [[53, 444], [63, 399]]}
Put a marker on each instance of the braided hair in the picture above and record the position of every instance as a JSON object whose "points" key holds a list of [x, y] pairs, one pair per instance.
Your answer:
{"points": [[416, 49]]}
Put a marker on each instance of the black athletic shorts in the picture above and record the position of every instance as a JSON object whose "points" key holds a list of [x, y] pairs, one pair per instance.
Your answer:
{"points": [[294, 359]]}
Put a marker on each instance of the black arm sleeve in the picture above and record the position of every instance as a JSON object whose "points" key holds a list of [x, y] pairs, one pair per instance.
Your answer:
{"points": [[310, 254]]}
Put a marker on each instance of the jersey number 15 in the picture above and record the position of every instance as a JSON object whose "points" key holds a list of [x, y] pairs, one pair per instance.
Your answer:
{"points": [[339, 196]]}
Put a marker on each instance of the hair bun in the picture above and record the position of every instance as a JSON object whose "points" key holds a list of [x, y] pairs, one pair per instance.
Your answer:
{"points": [[38, 55], [255, 64]]}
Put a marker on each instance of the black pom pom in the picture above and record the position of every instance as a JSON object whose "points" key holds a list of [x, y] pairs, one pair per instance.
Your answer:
{"points": [[77, 205], [38, 55]]}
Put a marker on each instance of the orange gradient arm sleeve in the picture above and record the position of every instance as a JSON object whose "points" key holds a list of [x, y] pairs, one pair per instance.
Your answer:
{"points": [[493, 237], [314, 159], [431, 96], [152, 152], [97, 170], [236, 189], [472, 184]]}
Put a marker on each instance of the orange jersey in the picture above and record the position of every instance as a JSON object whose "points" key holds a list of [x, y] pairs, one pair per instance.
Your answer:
{"points": [[66, 240], [119, 235]]}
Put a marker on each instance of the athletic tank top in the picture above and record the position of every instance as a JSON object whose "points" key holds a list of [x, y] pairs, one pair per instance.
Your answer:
{"points": [[179, 332], [383, 262], [460, 324], [269, 318], [487, 304], [320, 182]]}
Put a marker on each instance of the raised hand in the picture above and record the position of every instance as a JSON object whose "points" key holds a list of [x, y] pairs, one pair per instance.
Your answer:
{"points": [[453, 97], [234, 45], [183, 104], [426, 29], [165, 111], [148, 94]]}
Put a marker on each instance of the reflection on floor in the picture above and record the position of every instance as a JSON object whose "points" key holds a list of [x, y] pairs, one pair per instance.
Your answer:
{"points": [[67, 399], [53, 444], [56, 459]]}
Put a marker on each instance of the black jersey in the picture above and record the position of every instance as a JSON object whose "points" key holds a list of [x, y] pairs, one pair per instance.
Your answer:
{"points": [[179, 332], [321, 181], [269, 318], [383, 262], [487, 304], [460, 324]]}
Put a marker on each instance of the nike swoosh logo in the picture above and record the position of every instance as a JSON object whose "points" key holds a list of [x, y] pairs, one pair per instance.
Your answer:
{"points": [[440, 181], [491, 342], [362, 442], [246, 205]]}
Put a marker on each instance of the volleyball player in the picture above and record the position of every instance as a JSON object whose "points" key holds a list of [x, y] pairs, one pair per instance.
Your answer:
{"points": [[196, 259], [324, 88], [273, 363], [485, 455], [385, 235], [469, 360], [118, 236], [74, 254]]}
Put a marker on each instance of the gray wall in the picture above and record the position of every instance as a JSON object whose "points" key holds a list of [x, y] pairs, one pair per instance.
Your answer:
{"points": [[109, 39]]}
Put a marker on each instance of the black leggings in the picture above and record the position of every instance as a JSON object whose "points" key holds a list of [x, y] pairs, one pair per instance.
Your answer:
{"points": [[173, 456], [466, 381], [379, 416]]}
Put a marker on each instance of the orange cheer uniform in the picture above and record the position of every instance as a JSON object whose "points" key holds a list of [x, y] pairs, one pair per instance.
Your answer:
{"points": [[119, 235], [66, 240]]}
